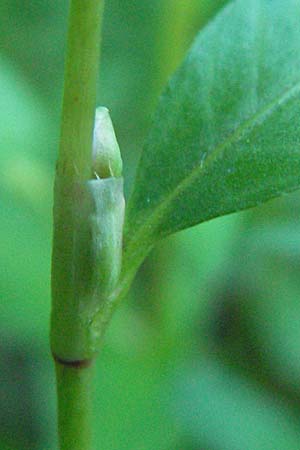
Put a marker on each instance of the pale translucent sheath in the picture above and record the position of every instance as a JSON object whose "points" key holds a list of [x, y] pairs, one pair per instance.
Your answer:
{"points": [[88, 264]]}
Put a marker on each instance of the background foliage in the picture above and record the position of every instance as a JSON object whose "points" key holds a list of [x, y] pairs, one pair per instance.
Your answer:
{"points": [[204, 354]]}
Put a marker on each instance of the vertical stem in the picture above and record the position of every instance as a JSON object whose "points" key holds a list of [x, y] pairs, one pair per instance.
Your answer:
{"points": [[74, 407], [79, 101], [69, 343]]}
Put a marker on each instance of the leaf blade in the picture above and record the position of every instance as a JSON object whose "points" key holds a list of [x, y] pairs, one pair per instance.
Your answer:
{"points": [[225, 136]]}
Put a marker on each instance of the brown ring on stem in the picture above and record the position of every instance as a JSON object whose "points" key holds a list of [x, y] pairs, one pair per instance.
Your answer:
{"points": [[75, 364]]}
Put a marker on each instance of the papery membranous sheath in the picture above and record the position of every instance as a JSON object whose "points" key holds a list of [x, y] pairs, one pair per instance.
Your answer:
{"points": [[93, 213], [107, 217]]}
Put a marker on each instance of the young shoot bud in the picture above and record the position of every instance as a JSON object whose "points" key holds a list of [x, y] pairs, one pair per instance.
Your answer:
{"points": [[107, 160]]}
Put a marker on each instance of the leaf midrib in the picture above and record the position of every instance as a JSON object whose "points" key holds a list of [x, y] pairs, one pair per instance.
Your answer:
{"points": [[248, 124]]}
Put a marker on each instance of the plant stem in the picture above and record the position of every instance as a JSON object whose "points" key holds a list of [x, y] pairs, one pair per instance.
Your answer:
{"points": [[79, 101], [74, 407], [70, 335]]}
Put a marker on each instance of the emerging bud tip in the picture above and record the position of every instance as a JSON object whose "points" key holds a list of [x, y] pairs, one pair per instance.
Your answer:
{"points": [[107, 161]]}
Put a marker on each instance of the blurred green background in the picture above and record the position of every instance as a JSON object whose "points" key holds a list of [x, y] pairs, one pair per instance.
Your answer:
{"points": [[205, 352]]}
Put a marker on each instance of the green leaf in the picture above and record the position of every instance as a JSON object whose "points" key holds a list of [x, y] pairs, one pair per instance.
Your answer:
{"points": [[226, 135]]}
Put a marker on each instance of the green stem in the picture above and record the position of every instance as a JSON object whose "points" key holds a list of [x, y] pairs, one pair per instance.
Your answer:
{"points": [[70, 340], [74, 407], [79, 101]]}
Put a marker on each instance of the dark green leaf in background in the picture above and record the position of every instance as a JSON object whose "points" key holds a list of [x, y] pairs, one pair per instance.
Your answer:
{"points": [[225, 410], [226, 135]]}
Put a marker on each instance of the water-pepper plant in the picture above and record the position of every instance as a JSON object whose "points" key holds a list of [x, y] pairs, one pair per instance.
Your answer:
{"points": [[225, 137]]}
